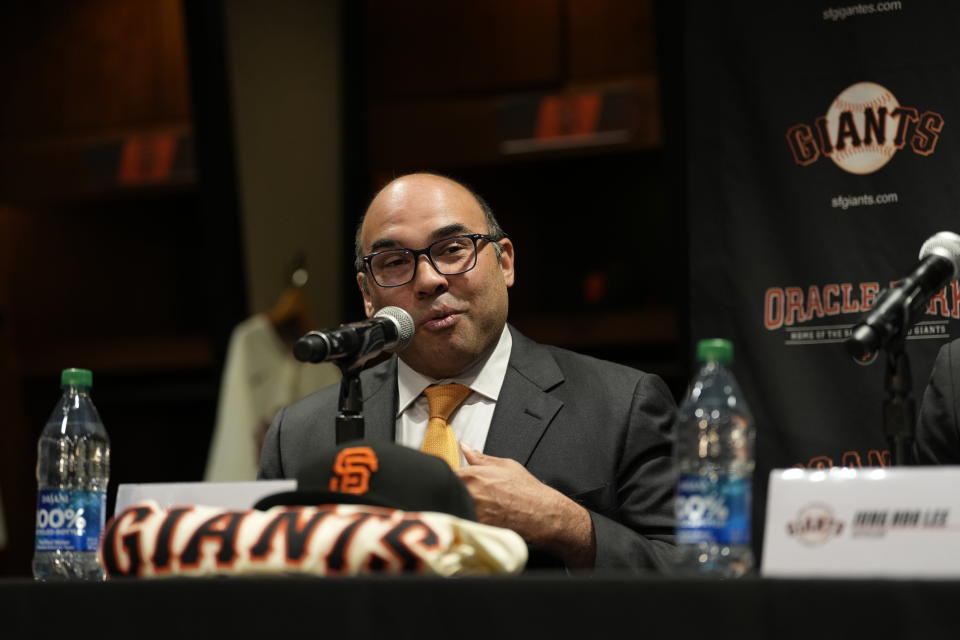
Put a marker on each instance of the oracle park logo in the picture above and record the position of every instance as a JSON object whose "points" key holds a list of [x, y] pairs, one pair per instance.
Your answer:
{"points": [[817, 314], [862, 130]]}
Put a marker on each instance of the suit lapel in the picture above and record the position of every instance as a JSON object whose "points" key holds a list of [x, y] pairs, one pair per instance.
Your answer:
{"points": [[525, 408], [380, 401]]}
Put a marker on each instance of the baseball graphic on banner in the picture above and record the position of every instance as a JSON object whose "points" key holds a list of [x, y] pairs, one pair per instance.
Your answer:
{"points": [[847, 122]]}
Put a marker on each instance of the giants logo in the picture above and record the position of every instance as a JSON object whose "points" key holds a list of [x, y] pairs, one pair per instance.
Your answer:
{"points": [[353, 468], [815, 524], [862, 130]]}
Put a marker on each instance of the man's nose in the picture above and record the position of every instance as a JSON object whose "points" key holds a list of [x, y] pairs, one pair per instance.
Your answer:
{"points": [[428, 281]]}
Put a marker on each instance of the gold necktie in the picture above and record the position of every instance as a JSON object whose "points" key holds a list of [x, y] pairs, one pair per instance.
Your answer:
{"points": [[439, 439]]}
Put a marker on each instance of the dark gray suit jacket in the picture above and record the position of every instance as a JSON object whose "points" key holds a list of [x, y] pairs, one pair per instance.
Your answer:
{"points": [[599, 432], [938, 434]]}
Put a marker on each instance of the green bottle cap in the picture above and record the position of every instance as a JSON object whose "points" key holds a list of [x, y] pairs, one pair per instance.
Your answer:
{"points": [[716, 350], [76, 378]]}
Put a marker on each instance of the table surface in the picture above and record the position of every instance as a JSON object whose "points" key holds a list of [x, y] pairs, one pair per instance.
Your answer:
{"points": [[547, 604]]}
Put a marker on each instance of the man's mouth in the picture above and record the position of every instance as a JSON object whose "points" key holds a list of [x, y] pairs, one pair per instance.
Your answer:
{"points": [[440, 320]]}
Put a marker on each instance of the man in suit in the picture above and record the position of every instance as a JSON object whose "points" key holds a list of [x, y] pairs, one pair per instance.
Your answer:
{"points": [[576, 452], [938, 432]]}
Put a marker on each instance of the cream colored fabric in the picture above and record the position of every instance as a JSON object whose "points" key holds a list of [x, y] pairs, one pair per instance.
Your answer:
{"points": [[326, 540], [439, 439], [260, 376]]}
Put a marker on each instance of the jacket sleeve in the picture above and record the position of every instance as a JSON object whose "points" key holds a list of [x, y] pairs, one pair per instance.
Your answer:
{"points": [[640, 533], [271, 465], [938, 438]]}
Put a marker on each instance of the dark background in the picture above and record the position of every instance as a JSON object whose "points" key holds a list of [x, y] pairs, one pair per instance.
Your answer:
{"points": [[142, 278], [759, 221]]}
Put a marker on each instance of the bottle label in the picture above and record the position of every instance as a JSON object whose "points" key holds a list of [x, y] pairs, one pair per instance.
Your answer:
{"points": [[69, 519], [713, 510]]}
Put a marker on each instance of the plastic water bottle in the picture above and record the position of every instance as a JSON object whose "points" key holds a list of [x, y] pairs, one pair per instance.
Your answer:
{"points": [[73, 467], [714, 454]]}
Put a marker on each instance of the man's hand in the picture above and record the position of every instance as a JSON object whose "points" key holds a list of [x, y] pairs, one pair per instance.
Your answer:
{"points": [[507, 495]]}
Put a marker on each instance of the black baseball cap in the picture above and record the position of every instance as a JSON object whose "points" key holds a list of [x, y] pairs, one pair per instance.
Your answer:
{"points": [[380, 474]]}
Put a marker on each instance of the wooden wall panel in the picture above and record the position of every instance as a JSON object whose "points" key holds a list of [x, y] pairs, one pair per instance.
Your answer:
{"points": [[610, 39], [438, 77], [97, 268], [439, 47], [91, 66], [105, 270], [425, 134]]}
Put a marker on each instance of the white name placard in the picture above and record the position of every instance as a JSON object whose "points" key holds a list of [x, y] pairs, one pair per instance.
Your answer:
{"points": [[227, 495], [873, 522]]}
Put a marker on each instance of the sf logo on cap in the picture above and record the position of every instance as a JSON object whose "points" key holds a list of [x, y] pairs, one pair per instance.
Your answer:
{"points": [[353, 468]]}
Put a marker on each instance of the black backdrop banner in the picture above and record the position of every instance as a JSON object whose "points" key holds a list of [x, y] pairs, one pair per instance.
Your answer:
{"points": [[822, 152]]}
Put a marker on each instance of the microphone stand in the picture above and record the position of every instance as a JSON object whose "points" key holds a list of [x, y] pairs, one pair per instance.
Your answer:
{"points": [[364, 346], [899, 408], [350, 423]]}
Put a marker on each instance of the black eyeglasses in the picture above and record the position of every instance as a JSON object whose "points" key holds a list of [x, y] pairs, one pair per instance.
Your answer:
{"points": [[449, 256]]}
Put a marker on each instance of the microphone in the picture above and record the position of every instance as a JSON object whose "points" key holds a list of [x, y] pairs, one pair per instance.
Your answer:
{"points": [[899, 307], [390, 330]]}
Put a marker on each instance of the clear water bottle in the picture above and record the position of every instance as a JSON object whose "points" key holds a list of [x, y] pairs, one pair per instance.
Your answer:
{"points": [[73, 467], [714, 455]]}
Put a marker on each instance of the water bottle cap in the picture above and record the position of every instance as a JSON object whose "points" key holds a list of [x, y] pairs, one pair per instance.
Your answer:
{"points": [[715, 349], [76, 378]]}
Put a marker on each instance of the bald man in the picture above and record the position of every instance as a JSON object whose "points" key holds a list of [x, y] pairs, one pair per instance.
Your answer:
{"points": [[571, 452]]}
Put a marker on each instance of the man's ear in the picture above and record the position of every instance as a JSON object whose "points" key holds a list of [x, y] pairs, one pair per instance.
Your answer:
{"points": [[368, 307], [507, 261]]}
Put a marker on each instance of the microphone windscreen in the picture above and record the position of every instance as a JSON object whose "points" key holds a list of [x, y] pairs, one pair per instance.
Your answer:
{"points": [[945, 244], [404, 323]]}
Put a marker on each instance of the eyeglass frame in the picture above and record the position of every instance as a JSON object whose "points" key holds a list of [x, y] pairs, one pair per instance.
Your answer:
{"points": [[367, 259]]}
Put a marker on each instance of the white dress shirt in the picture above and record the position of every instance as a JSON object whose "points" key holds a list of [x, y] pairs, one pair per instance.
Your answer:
{"points": [[471, 421]]}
